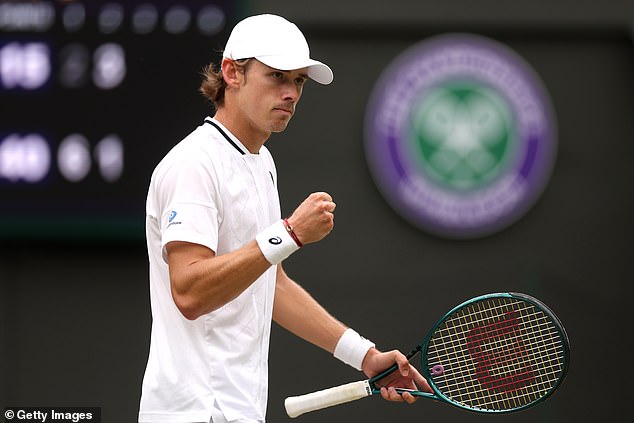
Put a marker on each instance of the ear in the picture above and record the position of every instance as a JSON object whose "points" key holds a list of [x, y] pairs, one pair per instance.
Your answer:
{"points": [[230, 73]]}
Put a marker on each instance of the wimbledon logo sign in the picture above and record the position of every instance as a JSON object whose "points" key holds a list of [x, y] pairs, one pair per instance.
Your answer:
{"points": [[460, 136]]}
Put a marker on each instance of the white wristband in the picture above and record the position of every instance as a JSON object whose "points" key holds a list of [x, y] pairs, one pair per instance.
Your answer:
{"points": [[276, 243], [352, 348]]}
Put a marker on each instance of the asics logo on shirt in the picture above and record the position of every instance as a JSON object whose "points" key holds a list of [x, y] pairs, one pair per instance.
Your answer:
{"points": [[171, 217]]}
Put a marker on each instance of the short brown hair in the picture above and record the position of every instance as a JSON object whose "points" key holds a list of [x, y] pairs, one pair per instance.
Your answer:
{"points": [[213, 85]]}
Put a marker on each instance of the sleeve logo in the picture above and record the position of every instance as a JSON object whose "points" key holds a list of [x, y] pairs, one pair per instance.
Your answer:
{"points": [[172, 216]]}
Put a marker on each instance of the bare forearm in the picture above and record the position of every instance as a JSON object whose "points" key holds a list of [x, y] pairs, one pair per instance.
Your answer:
{"points": [[202, 282], [299, 313], [205, 283]]}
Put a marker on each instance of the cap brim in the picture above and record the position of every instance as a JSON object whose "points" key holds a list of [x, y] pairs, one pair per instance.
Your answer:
{"points": [[317, 71]]}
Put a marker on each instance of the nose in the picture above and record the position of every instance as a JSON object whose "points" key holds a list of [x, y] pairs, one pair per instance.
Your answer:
{"points": [[291, 92]]}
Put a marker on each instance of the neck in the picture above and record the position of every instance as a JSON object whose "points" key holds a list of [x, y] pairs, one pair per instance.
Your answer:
{"points": [[249, 136]]}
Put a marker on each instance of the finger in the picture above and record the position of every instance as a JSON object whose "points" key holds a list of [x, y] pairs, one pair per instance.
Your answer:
{"points": [[328, 205], [324, 196], [402, 363], [409, 398], [421, 382], [424, 385], [392, 395]]}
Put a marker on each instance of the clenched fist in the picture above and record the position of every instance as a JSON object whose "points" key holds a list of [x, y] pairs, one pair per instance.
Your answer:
{"points": [[314, 218]]}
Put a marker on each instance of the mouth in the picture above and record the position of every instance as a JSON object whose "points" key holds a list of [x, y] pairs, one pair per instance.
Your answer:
{"points": [[284, 110]]}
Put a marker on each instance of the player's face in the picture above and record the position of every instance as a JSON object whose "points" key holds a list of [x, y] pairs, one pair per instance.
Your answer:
{"points": [[268, 96]]}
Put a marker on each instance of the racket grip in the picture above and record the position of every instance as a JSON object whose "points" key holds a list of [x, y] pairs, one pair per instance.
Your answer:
{"points": [[296, 406]]}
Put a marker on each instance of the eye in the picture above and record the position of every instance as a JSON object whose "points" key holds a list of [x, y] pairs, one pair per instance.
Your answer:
{"points": [[300, 81], [277, 75]]}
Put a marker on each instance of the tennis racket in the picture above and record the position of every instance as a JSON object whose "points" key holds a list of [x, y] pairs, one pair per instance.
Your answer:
{"points": [[495, 353]]}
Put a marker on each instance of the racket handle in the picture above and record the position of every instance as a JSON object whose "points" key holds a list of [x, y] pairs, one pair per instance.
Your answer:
{"points": [[296, 406]]}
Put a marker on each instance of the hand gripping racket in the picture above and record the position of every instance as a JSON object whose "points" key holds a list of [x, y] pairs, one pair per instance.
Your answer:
{"points": [[492, 354]]}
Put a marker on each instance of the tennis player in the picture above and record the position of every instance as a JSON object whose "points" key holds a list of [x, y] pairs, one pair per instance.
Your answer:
{"points": [[216, 241]]}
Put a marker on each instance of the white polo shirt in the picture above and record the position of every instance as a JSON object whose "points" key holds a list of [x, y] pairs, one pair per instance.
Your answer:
{"points": [[209, 190]]}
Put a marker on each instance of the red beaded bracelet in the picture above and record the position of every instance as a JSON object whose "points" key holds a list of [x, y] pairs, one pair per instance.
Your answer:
{"points": [[289, 228]]}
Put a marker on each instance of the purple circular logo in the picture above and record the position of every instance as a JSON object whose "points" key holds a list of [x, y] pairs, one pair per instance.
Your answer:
{"points": [[460, 136]]}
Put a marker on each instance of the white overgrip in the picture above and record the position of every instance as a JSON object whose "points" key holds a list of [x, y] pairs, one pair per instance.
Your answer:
{"points": [[296, 406]]}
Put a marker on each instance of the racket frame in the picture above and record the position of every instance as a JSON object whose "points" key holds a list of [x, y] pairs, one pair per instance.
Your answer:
{"points": [[298, 405], [422, 349]]}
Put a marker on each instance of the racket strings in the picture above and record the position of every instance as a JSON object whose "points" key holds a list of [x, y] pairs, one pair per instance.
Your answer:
{"points": [[517, 352], [519, 380], [537, 357], [505, 386], [551, 342]]}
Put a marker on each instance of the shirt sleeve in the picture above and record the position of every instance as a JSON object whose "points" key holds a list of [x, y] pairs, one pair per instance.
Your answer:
{"points": [[189, 204]]}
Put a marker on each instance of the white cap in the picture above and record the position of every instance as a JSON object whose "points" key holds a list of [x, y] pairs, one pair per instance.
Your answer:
{"points": [[277, 43]]}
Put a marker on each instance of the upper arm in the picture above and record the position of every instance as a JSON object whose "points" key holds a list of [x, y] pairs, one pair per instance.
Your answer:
{"points": [[180, 256], [202, 282], [181, 253]]}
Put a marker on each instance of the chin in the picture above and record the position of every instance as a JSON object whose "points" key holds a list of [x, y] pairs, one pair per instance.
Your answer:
{"points": [[279, 127]]}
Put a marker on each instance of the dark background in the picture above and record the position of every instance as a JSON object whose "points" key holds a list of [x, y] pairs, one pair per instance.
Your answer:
{"points": [[74, 313]]}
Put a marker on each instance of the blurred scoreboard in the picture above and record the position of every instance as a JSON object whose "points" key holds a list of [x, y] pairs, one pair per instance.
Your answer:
{"points": [[92, 95]]}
